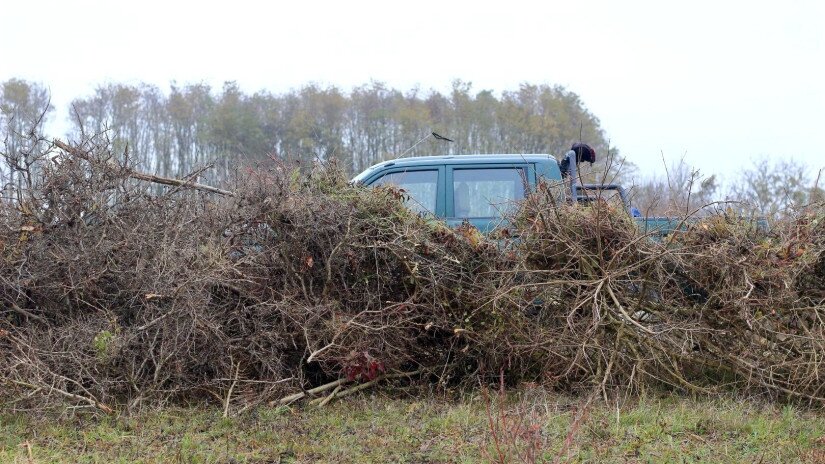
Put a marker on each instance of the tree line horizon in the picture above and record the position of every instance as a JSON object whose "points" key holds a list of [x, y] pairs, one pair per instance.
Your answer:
{"points": [[177, 131]]}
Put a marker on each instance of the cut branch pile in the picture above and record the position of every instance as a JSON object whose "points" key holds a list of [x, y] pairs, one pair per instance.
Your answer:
{"points": [[299, 286], [719, 303]]}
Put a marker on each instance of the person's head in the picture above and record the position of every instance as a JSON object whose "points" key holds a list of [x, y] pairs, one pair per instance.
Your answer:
{"points": [[584, 152]]}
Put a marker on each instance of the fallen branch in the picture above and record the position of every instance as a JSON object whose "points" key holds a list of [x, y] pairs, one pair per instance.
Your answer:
{"points": [[231, 387], [297, 396], [26, 313], [364, 386], [627, 317], [337, 392], [321, 402], [148, 177], [90, 401]]}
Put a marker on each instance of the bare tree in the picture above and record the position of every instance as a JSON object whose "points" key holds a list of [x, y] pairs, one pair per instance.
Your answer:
{"points": [[772, 188], [682, 190], [24, 107]]}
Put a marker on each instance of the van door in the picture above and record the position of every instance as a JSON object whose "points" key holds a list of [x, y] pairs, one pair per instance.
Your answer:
{"points": [[485, 194], [423, 185]]}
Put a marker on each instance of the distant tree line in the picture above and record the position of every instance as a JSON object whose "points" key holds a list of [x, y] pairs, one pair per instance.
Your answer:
{"points": [[176, 131], [767, 188], [172, 132]]}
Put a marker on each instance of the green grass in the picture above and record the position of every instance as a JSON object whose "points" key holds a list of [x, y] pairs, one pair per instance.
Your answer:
{"points": [[373, 428]]}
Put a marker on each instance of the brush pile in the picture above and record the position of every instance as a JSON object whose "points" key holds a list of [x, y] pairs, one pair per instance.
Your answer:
{"points": [[717, 303], [113, 296]]}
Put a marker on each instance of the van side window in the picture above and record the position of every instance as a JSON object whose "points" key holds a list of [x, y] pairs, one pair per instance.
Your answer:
{"points": [[486, 192], [420, 186]]}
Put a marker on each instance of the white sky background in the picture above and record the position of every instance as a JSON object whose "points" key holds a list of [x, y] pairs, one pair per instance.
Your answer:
{"points": [[719, 82]]}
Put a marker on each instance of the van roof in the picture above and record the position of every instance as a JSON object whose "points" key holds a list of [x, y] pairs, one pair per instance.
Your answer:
{"points": [[458, 159]]}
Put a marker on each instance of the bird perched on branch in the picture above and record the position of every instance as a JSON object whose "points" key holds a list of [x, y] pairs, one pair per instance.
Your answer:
{"points": [[441, 137]]}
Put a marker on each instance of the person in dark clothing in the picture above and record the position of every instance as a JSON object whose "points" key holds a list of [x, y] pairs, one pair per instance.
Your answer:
{"points": [[582, 151]]}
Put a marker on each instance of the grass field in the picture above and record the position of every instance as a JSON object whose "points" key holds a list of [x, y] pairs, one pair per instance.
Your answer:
{"points": [[533, 425]]}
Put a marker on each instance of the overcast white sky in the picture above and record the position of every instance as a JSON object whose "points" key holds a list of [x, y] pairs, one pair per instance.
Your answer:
{"points": [[720, 82]]}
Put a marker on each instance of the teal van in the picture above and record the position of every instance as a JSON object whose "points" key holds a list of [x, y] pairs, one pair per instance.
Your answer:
{"points": [[481, 189], [477, 188]]}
